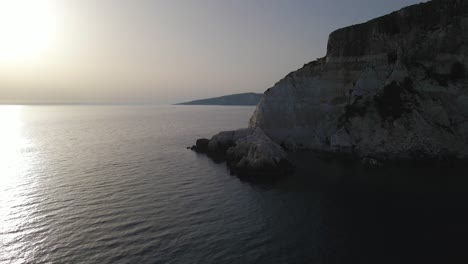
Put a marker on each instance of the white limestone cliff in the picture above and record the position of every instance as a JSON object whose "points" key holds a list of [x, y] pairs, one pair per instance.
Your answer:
{"points": [[394, 87]]}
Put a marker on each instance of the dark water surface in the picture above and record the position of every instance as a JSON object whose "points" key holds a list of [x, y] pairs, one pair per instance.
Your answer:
{"points": [[116, 184]]}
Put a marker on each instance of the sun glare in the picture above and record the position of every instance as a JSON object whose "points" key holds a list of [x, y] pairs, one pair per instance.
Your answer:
{"points": [[28, 30], [11, 142]]}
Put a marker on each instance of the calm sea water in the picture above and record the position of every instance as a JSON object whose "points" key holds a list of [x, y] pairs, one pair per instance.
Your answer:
{"points": [[116, 184]]}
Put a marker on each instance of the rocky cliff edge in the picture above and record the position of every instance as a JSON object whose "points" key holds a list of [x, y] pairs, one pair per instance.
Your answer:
{"points": [[392, 88]]}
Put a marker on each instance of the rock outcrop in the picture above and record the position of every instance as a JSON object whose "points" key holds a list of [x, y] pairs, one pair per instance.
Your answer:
{"points": [[248, 153], [395, 87], [392, 88]]}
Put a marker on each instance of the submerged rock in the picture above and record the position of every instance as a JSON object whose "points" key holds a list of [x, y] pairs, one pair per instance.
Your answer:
{"points": [[371, 163]]}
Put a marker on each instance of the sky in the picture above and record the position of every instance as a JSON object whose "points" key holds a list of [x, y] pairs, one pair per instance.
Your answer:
{"points": [[163, 51]]}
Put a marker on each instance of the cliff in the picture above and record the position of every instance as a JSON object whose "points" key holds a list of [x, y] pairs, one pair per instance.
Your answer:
{"points": [[234, 99], [394, 87]]}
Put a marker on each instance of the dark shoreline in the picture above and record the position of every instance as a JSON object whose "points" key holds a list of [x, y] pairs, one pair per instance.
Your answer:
{"points": [[299, 159]]}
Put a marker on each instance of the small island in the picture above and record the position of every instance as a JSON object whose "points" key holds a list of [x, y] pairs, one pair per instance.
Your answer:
{"points": [[233, 99]]}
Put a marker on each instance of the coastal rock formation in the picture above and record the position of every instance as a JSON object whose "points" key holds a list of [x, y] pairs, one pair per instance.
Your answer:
{"points": [[395, 87], [248, 153], [392, 88]]}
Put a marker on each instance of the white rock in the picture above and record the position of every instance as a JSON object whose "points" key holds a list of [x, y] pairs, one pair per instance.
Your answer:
{"points": [[386, 88]]}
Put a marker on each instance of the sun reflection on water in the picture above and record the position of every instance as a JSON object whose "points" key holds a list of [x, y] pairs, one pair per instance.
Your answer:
{"points": [[15, 183], [12, 142]]}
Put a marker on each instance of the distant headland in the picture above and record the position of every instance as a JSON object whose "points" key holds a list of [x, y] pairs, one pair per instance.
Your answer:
{"points": [[233, 99]]}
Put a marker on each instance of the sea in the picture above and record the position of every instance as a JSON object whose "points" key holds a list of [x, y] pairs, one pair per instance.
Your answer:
{"points": [[117, 184]]}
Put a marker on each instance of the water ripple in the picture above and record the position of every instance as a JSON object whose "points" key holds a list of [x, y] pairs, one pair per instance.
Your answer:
{"points": [[116, 185]]}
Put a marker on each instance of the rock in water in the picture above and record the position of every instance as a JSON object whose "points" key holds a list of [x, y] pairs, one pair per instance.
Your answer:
{"points": [[371, 163], [392, 88], [201, 145], [248, 153], [257, 155]]}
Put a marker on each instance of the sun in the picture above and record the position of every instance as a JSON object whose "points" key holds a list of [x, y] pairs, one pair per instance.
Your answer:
{"points": [[28, 30]]}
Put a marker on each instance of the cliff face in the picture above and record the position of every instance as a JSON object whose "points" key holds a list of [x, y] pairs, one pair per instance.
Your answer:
{"points": [[394, 87]]}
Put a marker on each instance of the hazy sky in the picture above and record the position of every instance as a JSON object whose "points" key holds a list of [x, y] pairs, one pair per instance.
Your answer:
{"points": [[164, 51]]}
